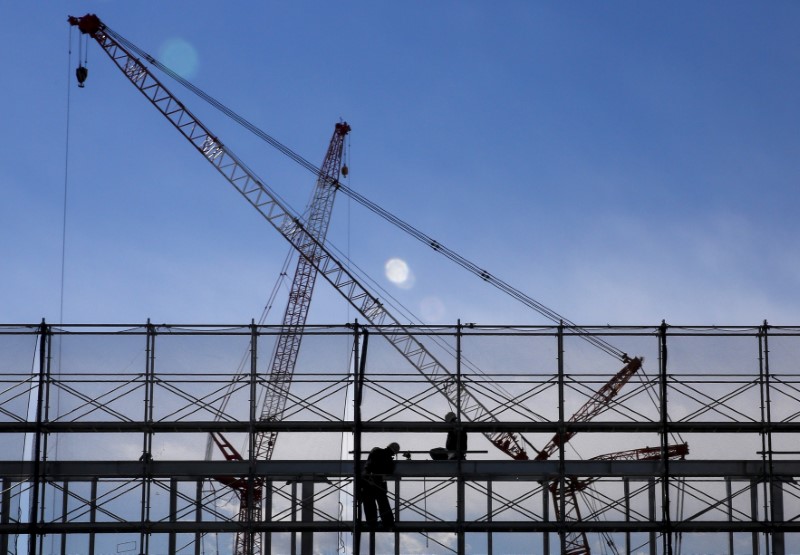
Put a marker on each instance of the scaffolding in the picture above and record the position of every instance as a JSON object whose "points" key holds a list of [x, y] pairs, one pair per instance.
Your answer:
{"points": [[103, 430]]}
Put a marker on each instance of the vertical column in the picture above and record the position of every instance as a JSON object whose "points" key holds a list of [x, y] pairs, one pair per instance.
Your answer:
{"points": [[173, 512], [307, 517], [5, 512], [776, 515], [267, 546], [396, 534], [253, 512], [754, 511], [562, 483], [46, 384], [460, 495], [766, 440], [64, 509], [359, 365], [664, 417], [147, 438], [729, 498], [626, 484], [489, 538], [545, 517], [293, 543], [651, 498], [37, 478], [198, 515], [93, 515]]}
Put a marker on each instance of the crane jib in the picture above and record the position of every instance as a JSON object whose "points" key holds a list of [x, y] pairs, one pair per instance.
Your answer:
{"points": [[280, 217], [320, 260]]}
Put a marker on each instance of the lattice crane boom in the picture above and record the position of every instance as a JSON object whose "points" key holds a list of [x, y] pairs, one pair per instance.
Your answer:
{"points": [[287, 346], [268, 204], [593, 406], [576, 543]]}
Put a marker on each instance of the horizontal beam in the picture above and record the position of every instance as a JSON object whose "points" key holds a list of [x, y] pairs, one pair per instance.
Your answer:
{"points": [[305, 470], [388, 426], [186, 527]]}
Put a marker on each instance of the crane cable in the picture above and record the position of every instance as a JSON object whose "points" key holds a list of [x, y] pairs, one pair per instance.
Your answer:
{"points": [[376, 209], [55, 443], [552, 315]]}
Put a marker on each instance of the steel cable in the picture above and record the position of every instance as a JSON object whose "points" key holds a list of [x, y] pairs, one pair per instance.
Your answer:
{"points": [[376, 209]]}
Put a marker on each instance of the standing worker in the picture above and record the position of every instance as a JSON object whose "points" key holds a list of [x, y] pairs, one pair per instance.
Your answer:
{"points": [[380, 463], [456, 445]]}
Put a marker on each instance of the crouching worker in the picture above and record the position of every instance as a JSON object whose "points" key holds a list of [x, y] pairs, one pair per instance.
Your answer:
{"points": [[456, 445], [380, 463]]}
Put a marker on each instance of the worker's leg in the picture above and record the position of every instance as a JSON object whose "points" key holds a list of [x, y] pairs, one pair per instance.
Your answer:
{"points": [[387, 516], [368, 502]]}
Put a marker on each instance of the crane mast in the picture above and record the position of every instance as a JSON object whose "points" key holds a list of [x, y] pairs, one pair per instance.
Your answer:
{"points": [[262, 198], [284, 356], [287, 347]]}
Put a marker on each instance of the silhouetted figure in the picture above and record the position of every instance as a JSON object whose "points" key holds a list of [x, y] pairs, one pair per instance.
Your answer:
{"points": [[380, 463], [456, 445]]}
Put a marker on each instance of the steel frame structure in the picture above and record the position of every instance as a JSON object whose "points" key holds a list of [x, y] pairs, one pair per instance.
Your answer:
{"points": [[97, 425]]}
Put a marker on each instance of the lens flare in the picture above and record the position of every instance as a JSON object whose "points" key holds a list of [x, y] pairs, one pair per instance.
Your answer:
{"points": [[180, 56], [398, 272]]}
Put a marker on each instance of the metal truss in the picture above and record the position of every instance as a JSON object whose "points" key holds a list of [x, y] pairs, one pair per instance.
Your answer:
{"points": [[103, 429]]}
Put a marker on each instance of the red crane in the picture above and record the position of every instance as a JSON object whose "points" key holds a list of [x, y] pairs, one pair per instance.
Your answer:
{"points": [[290, 226], [593, 406], [287, 346], [575, 542], [317, 255]]}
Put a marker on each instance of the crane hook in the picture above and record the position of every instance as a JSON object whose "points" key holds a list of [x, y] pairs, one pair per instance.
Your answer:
{"points": [[81, 73]]}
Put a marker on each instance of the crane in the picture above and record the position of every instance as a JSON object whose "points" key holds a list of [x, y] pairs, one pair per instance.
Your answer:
{"points": [[287, 346], [576, 542], [593, 406], [314, 251], [284, 355], [291, 227]]}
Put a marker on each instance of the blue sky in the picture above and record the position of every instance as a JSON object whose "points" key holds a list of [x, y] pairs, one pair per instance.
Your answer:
{"points": [[620, 162]]}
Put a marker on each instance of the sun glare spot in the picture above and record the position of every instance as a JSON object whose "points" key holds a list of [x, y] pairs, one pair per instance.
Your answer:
{"points": [[180, 56], [398, 272]]}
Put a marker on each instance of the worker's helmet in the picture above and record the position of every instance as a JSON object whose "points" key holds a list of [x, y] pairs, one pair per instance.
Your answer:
{"points": [[395, 447], [449, 417]]}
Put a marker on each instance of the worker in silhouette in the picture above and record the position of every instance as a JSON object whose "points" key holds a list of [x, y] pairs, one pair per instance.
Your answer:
{"points": [[456, 445], [380, 463]]}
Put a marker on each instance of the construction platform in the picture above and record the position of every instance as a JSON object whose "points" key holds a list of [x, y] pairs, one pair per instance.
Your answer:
{"points": [[105, 440]]}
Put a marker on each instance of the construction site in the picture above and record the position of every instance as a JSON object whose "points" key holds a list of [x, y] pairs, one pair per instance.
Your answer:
{"points": [[254, 438], [675, 454]]}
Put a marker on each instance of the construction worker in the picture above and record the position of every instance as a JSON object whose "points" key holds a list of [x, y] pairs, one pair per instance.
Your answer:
{"points": [[380, 463], [456, 445]]}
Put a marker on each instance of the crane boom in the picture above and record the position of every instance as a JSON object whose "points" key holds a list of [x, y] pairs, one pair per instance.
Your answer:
{"points": [[284, 355], [593, 406], [287, 347], [263, 199], [576, 542]]}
